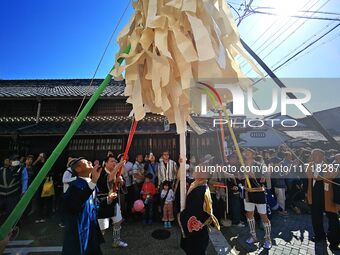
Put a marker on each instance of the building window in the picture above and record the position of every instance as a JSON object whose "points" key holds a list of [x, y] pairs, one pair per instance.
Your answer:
{"points": [[81, 145], [257, 134], [106, 144]]}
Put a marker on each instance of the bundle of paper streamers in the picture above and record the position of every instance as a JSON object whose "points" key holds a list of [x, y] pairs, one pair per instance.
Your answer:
{"points": [[174, 43]]}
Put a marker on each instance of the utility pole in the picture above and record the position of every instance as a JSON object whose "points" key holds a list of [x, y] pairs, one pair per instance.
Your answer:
{"points": [[272, 75]]}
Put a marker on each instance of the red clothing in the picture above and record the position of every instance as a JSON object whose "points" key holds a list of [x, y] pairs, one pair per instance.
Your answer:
{"points": [[148, 187]]}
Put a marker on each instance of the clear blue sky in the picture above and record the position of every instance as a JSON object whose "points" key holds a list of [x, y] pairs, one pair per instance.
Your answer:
{"points": [[57, 38], [65, 39]]}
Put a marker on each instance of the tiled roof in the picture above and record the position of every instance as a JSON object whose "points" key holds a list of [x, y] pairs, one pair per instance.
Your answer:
{"points": [[310, 135], [58, 88], [58, 125]]}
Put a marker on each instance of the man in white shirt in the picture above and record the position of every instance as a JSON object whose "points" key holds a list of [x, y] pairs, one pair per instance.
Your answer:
{"points": [[105, 186], [67, 179], [67, 176]]}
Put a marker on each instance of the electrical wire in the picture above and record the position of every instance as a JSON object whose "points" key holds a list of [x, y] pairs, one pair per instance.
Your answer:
{"points": [[299, 52], [287, 37], [290, 34], [308, 46], [283, 29], [297, 16], [247, 8], [102, 57], [303, 43], [278, 33], [238, 14], [311, 50], [302, 11]]}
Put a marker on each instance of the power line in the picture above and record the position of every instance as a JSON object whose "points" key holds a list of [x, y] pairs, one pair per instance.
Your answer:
{"points": [[309, 45], [311, 50], [303, 43], [290, 95], [297, 16], [279, 29], [287, 37], [238, 14], [287, 26], [302, 11], [102, 57], [301, 51], [246, 10], [278, 33], [292, 32]]}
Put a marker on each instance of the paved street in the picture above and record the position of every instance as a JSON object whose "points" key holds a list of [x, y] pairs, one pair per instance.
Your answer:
{"points": [[138, 236], [290, 236]]}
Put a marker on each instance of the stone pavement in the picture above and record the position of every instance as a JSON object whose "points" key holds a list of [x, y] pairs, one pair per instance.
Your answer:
{"points": [[138, 236], [290, 235]]}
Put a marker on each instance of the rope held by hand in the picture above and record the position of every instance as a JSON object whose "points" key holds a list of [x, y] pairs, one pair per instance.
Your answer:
{"points": [[127, 148], [237, 148]]}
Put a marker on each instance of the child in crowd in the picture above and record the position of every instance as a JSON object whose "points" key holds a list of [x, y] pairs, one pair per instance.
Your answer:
{"points": [[167, 196], [148, 191]]}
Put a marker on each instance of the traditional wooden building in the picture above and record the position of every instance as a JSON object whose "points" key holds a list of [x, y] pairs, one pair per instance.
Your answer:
{"points": [[35, 114]]}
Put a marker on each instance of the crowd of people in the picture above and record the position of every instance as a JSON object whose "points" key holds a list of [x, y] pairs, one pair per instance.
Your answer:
{"points": [[236, 199]]}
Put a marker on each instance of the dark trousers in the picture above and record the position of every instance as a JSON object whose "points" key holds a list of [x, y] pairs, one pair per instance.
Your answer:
{"points": [[45, 205], [336, 191], [148, 210], [218, 206], [137, 189], [197, 243], [62, 210], [235, 207], [7, 204], [129, 199], [318, 207]]}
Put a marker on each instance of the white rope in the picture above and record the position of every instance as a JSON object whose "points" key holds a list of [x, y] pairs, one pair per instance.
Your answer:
{"points": [[102, 57]]}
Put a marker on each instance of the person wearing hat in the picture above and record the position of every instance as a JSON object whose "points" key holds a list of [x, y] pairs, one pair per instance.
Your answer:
{"points": [[68, 175], [82, 209], [197, 215], [67, 178]]}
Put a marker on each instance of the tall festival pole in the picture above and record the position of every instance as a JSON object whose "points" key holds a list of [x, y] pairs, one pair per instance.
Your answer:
{"points": [[27, 197]]}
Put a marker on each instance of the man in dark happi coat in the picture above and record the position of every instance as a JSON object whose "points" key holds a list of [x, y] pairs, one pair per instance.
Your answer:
{"points": [[82, 208], [196, 217]]}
